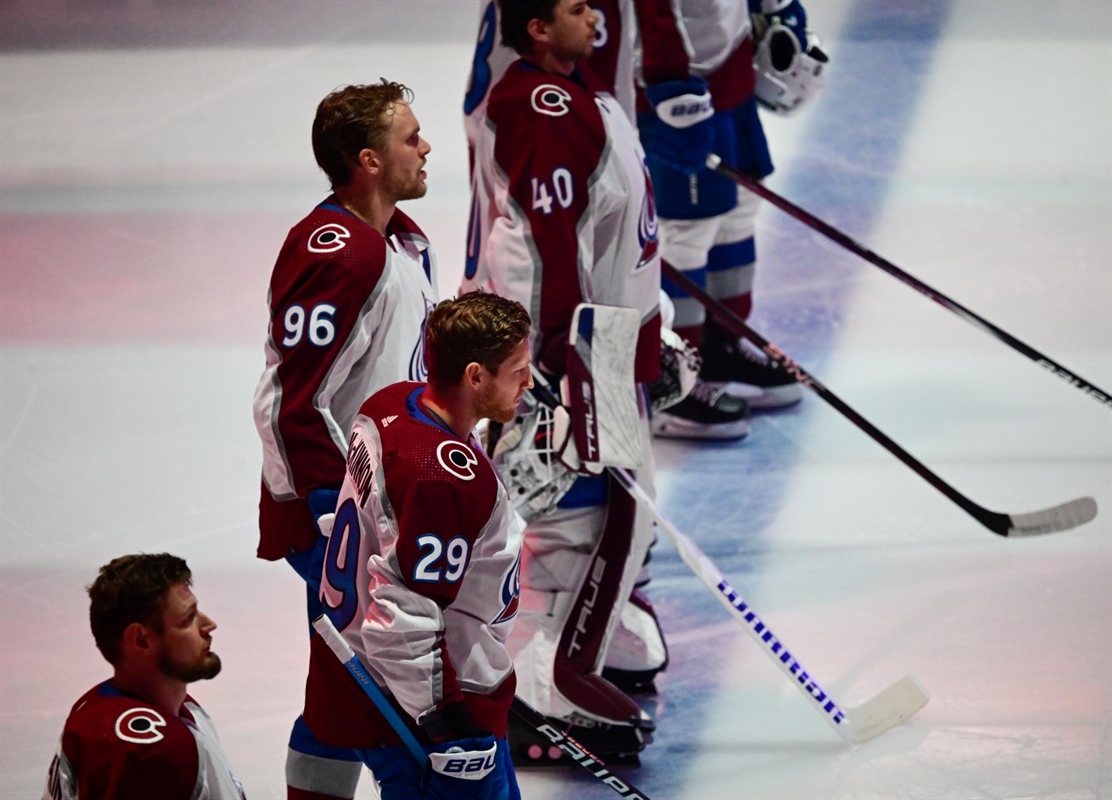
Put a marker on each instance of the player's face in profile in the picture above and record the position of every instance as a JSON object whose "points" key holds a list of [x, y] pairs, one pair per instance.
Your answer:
{"points": [[184, 643], [403, 176], [504, 390], [572, 30]]}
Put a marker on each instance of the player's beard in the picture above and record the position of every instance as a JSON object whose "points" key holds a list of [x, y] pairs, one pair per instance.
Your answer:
{"points": [[495, 408], [203, 669], [405, 187]]}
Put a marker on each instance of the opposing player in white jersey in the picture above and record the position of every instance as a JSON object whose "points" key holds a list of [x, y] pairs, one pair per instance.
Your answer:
{"points": [[349, 296], [563, 213], [707, 223], [138, 734], [421, 570]]}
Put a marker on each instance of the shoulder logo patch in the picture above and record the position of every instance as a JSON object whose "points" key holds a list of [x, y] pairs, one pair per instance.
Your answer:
{"points": [[140, 725], [328, 238], [551, 100], [387, 420], [457, 459]]}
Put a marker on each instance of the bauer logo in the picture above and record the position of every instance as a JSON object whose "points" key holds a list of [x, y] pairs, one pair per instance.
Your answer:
{"points": [[468, 765]]}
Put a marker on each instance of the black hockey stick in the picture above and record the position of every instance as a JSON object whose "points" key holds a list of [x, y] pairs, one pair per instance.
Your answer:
{"points": [[714, 162], [1050, 520], [578, 753], [529, 715], [858, 724]]}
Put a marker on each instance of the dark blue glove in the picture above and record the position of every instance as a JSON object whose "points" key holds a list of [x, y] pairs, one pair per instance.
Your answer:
{"points": [[682, 132], [790, 13]]}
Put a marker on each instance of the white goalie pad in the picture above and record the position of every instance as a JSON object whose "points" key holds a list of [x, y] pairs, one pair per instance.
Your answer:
{"points": [[600, 390]]}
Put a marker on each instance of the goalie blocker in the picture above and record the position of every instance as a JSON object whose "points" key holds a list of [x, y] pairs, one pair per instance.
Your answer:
{"points": [[585, 544]]}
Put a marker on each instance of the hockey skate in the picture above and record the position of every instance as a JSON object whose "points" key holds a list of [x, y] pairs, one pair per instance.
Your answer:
{"points": [[708, 412], [614, 745], [731, 365]]}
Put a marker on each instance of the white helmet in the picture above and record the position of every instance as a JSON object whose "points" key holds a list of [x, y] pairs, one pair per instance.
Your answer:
{"points": [[786, 76]]}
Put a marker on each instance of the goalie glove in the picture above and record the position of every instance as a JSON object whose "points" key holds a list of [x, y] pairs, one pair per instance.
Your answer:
{"points": [[679, 369], [789, 60], [536, 458]]}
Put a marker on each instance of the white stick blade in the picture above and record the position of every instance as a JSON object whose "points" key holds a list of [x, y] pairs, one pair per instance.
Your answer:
{"points": [[889, 708], [1060, 518]]}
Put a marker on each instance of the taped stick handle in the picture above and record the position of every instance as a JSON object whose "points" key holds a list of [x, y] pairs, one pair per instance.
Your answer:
{"points": [[342, 650]]}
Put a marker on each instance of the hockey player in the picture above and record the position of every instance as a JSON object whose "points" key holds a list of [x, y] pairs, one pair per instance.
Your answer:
{"points": [[706, 222], [619, 25], [563, 214], [348, 297], [139, 734], [421, 570]]}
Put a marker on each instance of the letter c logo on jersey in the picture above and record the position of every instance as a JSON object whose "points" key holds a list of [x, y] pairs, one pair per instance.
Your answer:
{"points": [[551, 100], [458, 459], [140, 725], [328, 238]]}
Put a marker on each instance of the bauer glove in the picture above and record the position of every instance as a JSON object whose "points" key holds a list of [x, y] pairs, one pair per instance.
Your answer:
{"points": [[682, 133]]}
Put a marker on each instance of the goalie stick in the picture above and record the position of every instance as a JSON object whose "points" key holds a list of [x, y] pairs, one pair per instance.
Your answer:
{"points": [[861, 723], [1048, 520], [714, 162], [525, 712]]}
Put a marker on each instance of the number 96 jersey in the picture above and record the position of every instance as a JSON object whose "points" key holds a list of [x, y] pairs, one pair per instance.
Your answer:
{"points": [[420, 577]]}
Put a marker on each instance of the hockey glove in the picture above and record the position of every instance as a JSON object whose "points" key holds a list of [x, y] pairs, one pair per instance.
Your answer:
{"points": [[682, 134], [466, 769]]}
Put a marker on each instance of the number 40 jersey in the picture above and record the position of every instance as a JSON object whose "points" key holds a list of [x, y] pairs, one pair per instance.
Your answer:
{"points": [[420, 577]]}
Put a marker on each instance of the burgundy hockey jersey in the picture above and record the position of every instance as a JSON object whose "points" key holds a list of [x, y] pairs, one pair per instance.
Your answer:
{"points": [[347, 311], [420, 577], [115, 747], [563, 210]]}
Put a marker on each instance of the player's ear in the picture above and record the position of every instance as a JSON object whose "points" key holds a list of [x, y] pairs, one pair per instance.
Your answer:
{"points": [[473, 375], [538, 29], [369, 160], [136, 638]]}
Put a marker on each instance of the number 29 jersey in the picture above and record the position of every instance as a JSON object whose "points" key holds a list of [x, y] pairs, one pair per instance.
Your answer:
{"points": [[420, 577]]}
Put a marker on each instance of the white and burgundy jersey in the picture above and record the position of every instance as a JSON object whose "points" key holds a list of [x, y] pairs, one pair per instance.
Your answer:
{"points": [[708, 38], [347, 317], [563, 211], [612, 61], [115, 747], [420, 577]]}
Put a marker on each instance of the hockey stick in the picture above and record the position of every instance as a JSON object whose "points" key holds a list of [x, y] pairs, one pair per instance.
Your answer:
{"points": [[872, 718], [579, 754], [714, 162], [1049, 520], [342, 650], [529, 715]]}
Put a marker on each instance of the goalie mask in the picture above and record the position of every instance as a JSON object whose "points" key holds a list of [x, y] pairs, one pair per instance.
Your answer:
{"points": [[786, 76]]}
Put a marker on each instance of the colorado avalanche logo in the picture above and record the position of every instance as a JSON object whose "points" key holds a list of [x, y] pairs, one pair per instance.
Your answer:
{"points": [[647, 225], [418, 369], [551, 100], [328, 238], [457, 459], [511, 593], [140, 725]]}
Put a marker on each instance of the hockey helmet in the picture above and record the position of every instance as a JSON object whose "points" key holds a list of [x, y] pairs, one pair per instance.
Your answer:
{"points": [[786, 76]]}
